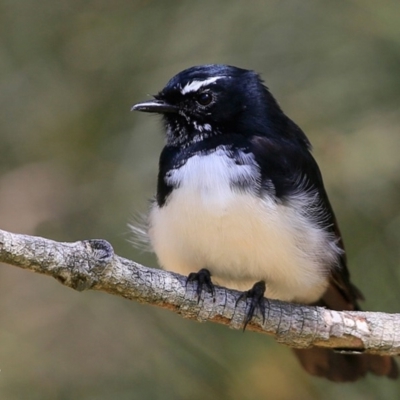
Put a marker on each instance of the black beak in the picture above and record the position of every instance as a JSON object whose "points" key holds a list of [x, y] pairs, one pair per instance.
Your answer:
{"points": [[155, 106]]}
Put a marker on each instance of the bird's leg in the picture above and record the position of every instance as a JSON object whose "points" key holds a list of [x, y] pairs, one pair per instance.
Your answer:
{"points": [[203, 279], [256, 294]]}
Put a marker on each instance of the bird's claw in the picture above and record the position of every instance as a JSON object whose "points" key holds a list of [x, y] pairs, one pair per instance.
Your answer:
{"points": [[203, 279], [256, 294]]}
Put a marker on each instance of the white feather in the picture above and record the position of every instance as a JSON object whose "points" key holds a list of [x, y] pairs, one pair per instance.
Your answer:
{"points": [[194, 86], [239, 237]]}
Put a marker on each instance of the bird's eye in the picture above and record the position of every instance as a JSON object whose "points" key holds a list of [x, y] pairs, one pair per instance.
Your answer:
{"points": [[204, 98]]}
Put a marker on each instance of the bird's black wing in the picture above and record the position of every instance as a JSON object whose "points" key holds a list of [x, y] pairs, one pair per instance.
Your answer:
{"points": [[290, 168], [284, 163]]}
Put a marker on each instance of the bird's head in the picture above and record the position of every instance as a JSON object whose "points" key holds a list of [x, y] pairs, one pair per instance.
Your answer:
{"points": [[210, 100]]}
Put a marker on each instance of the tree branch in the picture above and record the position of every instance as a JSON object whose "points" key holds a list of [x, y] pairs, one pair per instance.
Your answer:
{"points": [[92, 264]]}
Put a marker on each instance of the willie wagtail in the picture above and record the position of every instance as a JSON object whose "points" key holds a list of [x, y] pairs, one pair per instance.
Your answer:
{"points": [[240, 198]]}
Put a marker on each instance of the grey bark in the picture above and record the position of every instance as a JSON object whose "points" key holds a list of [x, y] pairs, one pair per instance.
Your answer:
{"points": [[92, 264]]}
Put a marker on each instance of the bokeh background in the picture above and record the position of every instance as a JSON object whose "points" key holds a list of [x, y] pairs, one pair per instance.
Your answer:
{"points": [[76, 164]]}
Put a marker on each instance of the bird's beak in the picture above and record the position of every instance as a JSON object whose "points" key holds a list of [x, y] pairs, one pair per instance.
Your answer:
{"points": [[155, 106]]}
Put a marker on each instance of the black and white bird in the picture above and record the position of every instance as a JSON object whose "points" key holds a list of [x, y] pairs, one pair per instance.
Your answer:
{"points": [[240, 198]]}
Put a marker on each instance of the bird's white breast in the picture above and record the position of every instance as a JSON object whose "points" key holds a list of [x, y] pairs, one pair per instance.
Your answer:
{"points": [[239, 236]]}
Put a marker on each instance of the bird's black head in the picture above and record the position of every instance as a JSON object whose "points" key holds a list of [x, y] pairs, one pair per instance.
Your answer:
{"points": [[210, 100]]}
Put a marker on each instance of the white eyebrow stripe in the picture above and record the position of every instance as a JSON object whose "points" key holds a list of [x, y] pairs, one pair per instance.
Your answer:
{"points": [[194, 86]]}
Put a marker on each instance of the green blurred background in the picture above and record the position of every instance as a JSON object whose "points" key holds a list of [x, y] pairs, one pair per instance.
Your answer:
{"points": [[76, 164]]}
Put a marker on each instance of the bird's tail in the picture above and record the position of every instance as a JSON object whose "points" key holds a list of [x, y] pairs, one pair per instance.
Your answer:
{"points": [[338, 367]]}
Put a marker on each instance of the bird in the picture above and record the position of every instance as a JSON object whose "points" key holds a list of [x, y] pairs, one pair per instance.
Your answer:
{"points": [[240, 202]]}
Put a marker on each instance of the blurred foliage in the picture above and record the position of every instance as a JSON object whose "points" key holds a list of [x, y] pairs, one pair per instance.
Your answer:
{"points": [[75, 164]]}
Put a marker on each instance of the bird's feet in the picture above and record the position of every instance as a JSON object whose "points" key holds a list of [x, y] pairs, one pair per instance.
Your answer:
{"points": [[203, 279], [256, 294]]}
